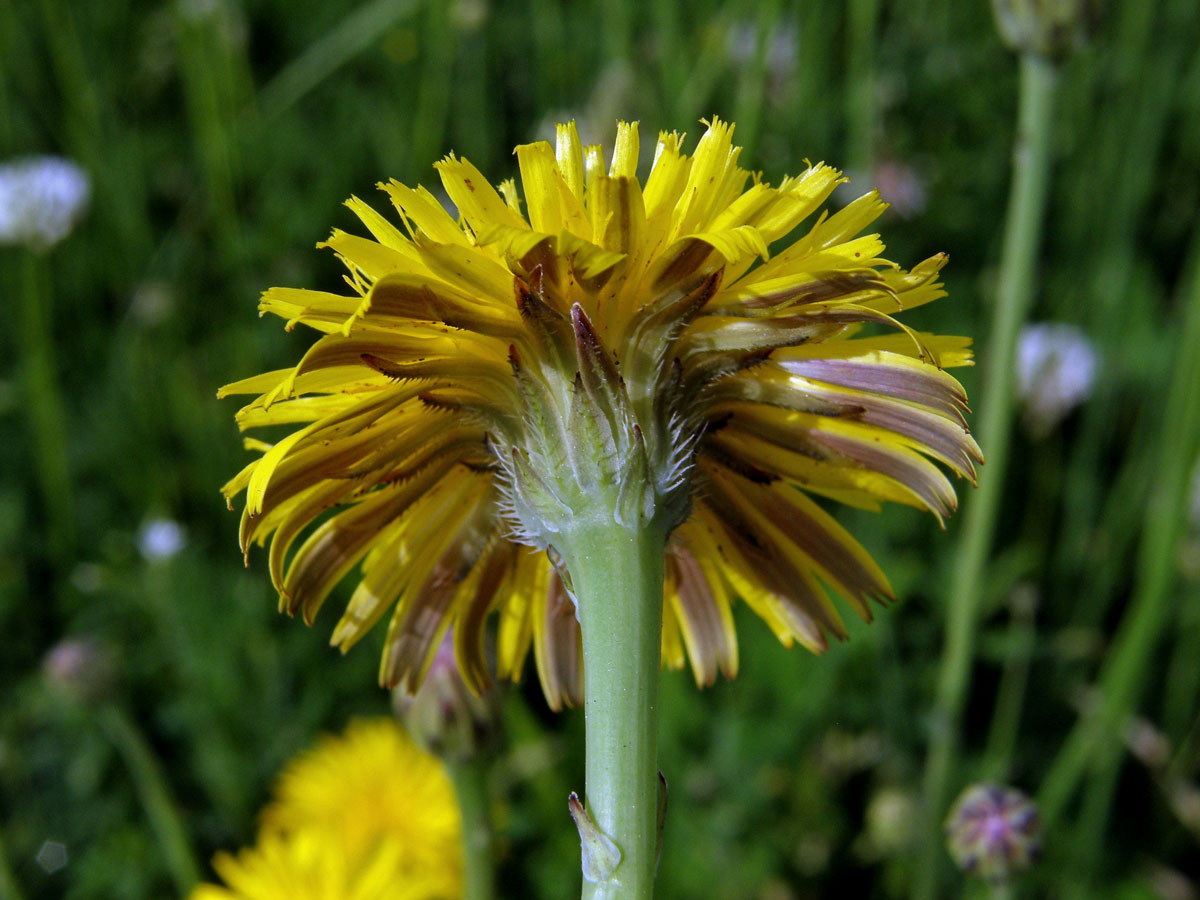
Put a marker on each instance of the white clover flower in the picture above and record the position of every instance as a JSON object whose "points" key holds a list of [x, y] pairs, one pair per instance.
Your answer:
{"points": [[160, 539], [41, 199], [1056, 365]]}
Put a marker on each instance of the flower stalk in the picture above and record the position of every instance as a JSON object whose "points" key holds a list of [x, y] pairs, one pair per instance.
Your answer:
{"points": [[470, 786], [1093, 746], [46, 407], [1014, 294], [617, 576], [154, 792], [9, 889]]}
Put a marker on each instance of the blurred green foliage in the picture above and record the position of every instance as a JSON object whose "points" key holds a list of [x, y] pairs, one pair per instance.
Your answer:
{"points": [[221, 137]]}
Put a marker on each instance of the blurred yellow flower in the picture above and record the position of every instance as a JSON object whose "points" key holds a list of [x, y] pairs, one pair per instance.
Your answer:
{"points": [[370, 781], [363, 816], [489, 378], [308, 866]]}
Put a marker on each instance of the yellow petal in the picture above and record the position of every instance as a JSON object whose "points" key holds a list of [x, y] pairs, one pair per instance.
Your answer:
{"points": [[618, 213], [625, 151], [551, 204], [425, 213], [568, 152], [477, 201], [370, 257]]}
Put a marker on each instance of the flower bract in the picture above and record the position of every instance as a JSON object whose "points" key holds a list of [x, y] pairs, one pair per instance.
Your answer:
{"points": [[701, 349]]}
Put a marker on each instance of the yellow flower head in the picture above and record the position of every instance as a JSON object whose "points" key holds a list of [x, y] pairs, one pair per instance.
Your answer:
{"points": [[488, 379], [370, 781], [307, 866], [364, 816]]}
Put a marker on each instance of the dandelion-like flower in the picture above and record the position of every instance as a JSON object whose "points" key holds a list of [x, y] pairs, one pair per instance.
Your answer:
{"points": [[306, 866], [41, 198], [372, 781], [596, 349], [362, 816]]}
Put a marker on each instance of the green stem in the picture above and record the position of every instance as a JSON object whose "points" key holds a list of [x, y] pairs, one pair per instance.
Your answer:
{"points": [[353, 35], [8, 30], [1015, 288], [671, 76], [752, 79], [1094, 742], [617, 30], [203, 60], [617, 577], [1088, 832], [46, 408], [154, 794], [1181, 697], [862, 23], [9, 889], [1010, 697], [471, 786], [432, 100], [88, 124]]}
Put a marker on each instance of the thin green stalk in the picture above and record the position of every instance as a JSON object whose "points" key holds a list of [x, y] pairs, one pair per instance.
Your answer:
{"points": [[1010, 697], [616, 28], [84, 110], [811, 110], [1093, 742], [433, 91], [47, 418], [709, 64], [210, 123], [1015, 288], [1087, 832], [9, 889], [7, 124], [1186, 756], [471, 786], [353, 35], [670, 74], [1143, 74], [861, 108], [154, 794], [91, 136], [617, 575], [472, 100], [1181, 696], [752, 79], [548, 32]]}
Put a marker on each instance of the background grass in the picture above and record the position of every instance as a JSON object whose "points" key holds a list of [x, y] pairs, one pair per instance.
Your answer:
{"points": [[221, 137]]}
